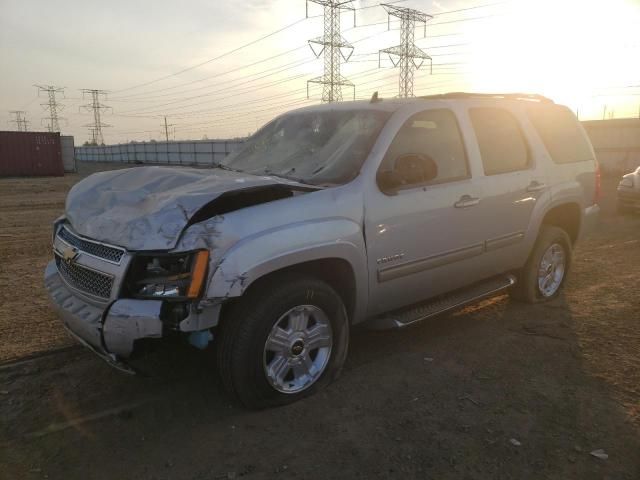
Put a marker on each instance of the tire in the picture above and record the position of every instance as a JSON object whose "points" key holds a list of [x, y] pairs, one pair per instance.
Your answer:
{"points": [[528, 289], [244, 357]]}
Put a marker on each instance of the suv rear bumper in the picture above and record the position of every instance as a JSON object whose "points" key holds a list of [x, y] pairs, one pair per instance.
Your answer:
{"points": [[108, 331]]}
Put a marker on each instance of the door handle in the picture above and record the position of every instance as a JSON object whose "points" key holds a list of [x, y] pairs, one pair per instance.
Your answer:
{"points": [[536, 186], [466, 201]]}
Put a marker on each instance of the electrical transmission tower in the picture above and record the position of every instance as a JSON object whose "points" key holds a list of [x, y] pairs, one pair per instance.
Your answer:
{"points": [[52, 106], [96, 107], [406, 55], [333, 45], [20, 119]]}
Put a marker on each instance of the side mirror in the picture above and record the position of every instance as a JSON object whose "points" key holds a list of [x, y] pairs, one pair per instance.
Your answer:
{"points": [[388, 182], [408, 169]]}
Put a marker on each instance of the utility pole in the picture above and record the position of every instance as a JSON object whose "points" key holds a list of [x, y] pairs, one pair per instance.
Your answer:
{"points": [[333, 45], [604, 112], [96, 107], [20, 119], [166, 129], [407, 54], [52, 106]]}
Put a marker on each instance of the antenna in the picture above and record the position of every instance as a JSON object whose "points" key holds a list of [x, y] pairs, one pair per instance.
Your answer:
{"points": [[407, 54], [335, 47]]}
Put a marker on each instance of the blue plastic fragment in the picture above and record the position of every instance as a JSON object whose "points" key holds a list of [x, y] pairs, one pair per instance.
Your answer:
{"points": [[200, 339]]}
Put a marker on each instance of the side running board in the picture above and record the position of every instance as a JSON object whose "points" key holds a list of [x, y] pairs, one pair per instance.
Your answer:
{"points": [[444, 303]]}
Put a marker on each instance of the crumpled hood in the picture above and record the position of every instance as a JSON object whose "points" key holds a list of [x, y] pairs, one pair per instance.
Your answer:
{"points": [[147, 208]]}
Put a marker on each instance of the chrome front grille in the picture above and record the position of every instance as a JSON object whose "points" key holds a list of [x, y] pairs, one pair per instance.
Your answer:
{"points": [[84, 279], [106, 252]]}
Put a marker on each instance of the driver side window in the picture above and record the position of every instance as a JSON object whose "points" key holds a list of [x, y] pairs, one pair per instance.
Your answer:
{"points": [[435, 136]]}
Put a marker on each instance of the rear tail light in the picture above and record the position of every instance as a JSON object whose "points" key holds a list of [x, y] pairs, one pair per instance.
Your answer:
{"points": [[597, 196]]}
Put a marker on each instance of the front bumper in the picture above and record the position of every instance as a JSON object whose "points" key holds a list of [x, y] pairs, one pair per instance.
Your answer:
{"points": [[109, 331]]}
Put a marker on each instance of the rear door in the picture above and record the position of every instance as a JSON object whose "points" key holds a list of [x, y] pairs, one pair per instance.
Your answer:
{"points": [[513, 179]]}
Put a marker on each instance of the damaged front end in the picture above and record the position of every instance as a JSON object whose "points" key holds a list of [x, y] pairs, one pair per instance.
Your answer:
{"points": [[110, 299], [124, 271]]}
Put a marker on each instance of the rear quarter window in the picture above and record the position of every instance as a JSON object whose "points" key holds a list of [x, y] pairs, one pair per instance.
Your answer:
{"points": [[560, 132]]}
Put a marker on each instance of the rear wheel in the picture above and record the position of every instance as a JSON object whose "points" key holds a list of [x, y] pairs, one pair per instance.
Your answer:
{"points": [[283, 341], [544, 274]]}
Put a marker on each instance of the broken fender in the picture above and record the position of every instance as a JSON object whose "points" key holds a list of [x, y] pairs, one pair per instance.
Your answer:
{"points": [[257, 256]]}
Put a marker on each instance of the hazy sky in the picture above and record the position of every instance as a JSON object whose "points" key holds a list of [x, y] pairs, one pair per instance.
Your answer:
{"points": [[582, 53]]}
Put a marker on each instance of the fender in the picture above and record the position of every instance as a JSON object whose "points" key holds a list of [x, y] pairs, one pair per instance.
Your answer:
{"points": [[271, 250], [544, 205]]}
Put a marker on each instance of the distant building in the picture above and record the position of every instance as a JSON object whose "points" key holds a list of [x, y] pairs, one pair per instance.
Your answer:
{"points": [[616, 142]]}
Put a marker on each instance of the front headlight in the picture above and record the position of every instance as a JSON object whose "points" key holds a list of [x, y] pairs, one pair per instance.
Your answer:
{"points": [[172, 276]]}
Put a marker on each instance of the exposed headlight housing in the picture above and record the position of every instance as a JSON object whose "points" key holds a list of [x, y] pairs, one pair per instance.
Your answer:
{"points": [[170, 276]]}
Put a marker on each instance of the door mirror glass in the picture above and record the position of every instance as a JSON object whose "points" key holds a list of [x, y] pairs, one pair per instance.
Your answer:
{"points": [[408, 169], [412, 168]]}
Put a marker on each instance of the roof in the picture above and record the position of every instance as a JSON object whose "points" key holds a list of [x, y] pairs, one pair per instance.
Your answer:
{"points": [[492, 96], [393, 104]]}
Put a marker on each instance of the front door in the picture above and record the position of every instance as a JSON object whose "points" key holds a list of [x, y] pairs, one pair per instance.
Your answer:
{"points": [[423, 239]]}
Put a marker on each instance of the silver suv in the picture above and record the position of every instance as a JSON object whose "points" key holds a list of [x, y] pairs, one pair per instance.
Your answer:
{"points": [[388, 211]]}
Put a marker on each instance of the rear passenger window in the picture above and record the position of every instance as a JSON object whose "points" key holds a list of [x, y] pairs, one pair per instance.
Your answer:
{"points": [[559, 130], [435, 135], [502, 145]]}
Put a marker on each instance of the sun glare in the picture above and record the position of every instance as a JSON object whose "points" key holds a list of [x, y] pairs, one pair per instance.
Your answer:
{"points": [[580, 53]]}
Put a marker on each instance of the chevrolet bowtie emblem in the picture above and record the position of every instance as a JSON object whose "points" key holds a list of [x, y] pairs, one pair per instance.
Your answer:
{"points": [[69, 254]]}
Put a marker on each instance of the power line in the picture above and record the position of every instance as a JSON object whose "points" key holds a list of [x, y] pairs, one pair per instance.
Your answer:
{"points": [[253, 42], [134, 95], [214, 58], [20, 119], [52, 106], [234, 106], [234, 87], [216, 75], [96, 107], [258, 76], [407, 52]]}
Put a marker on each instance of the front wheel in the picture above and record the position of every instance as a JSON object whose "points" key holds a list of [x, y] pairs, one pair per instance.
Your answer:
{"points": [[285, 340], [544, 274]]}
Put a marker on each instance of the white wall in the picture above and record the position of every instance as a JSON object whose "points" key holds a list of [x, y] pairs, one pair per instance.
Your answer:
{"points": [[193, 152]]}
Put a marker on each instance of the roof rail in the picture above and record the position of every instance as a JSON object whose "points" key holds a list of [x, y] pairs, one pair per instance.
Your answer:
{"points": [[512, 96]]}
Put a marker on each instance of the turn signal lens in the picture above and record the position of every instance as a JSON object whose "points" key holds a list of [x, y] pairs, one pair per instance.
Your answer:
{"points": [[198, 273]]}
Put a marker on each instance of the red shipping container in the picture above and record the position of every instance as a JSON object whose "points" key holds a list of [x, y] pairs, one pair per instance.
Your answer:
{"points": [[25, 154]]}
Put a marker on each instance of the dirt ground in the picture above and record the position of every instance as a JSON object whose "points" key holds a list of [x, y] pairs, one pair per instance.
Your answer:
{"points": [[497, 390]]}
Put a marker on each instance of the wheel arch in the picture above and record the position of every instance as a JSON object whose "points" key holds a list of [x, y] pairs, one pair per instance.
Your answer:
{"points": [[565, 216], [339, 264], [337, 272]]}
